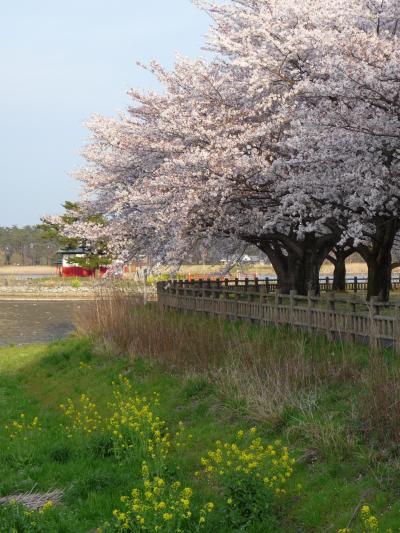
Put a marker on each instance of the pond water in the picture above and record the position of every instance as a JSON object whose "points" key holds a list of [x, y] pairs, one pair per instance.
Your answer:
{"points": [[28, 321]]}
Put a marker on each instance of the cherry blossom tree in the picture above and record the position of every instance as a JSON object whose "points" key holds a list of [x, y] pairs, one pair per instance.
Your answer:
{"points": [[351, 133], [284, 139]]}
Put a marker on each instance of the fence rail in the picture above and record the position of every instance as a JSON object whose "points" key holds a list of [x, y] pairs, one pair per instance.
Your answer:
{"points": [[352, 284], [337, 317]]}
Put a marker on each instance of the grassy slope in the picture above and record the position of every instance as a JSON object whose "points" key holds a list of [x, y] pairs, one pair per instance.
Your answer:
{"points": [[35, 379]]}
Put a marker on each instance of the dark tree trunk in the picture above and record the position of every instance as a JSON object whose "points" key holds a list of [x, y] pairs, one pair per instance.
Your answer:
{"points": [[339, 261], [379, 275], [280, 263], [305, 271], [339, 275], [378, 257], [297, 263]]}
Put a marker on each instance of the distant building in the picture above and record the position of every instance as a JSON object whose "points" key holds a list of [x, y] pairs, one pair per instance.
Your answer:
{"points": [[67, 268], [250, 259]]}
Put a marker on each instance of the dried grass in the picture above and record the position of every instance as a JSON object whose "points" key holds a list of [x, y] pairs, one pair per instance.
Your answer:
{"points": [[269, 371], [380, 401], [122, 325], [33, 500]]}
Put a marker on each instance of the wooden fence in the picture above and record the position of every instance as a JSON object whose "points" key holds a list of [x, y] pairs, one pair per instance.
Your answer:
{"points": [[337, 317], [353, 284]]}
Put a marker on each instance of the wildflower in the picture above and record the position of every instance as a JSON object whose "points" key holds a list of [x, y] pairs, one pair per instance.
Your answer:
{"points": [[48, 505]]}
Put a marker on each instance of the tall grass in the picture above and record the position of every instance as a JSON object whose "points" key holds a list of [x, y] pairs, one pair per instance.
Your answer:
{"points": [[337, 395], [380, 402], [268, 369], [122, 324]]}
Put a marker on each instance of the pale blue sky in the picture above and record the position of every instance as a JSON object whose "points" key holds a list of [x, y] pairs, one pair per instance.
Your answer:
{"points": [[61, 61]]}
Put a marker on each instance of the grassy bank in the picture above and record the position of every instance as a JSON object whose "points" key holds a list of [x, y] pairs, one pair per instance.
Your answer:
{"points": [[333, 406]]}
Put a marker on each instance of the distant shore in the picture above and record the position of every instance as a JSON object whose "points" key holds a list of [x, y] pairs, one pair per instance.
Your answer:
{"points": [[41, 283], [28, 270]]}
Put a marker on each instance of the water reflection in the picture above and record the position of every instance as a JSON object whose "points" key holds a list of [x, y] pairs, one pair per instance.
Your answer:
{"points": [[24, 322]]}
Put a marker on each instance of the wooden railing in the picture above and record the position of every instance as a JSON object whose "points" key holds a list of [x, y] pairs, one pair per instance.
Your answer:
{"points": [[354, 284], [338, 317]]}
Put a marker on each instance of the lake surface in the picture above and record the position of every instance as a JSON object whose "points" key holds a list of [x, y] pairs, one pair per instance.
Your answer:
{"points": [[28, 321]]}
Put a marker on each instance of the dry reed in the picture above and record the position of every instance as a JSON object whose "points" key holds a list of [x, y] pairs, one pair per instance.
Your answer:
{"points": [[380, 401], [268, 370]]}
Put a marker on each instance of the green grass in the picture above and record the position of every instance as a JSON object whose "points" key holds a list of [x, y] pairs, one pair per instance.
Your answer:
{"points": [[336, 470]]}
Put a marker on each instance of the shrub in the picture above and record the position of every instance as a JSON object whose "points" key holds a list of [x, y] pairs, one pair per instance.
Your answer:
{"points": [[252, 475], [132, 429], [84, 417], [159, 506]]}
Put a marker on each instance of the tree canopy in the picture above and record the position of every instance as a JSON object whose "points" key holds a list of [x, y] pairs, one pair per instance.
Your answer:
{"points": [[288, 139]]}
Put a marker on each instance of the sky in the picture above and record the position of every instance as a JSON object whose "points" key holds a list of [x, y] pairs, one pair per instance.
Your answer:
{"points": [[62, 61]]}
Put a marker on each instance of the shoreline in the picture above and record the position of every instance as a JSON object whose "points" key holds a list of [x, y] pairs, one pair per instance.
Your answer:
{"points": [[50, 298]]}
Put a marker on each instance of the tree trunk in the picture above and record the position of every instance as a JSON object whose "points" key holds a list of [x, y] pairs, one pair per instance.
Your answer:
{"points": [[379, 275], [338, 259], [379, 259], [279, 261], [305, 270], [297, 263], [339, 273]]}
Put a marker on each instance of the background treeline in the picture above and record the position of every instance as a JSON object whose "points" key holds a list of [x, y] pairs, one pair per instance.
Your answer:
{"points": [[29, 245]]}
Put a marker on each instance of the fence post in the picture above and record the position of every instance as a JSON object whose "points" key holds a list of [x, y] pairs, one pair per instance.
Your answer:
{"points": [[237, 287], [252, 291], [267, 285], [331, 318], [396, 328], [355, 284], [201, 293], [186, 286], [310, 296], [277, 303], [225, 296], [292, 301], [160, 288], [373, 311], [262, 299], [217, 288], [327, 283]]}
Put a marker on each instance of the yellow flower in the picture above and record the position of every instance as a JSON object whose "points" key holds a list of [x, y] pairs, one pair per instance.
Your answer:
{"points": [[48, 505], [167, 516]]}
